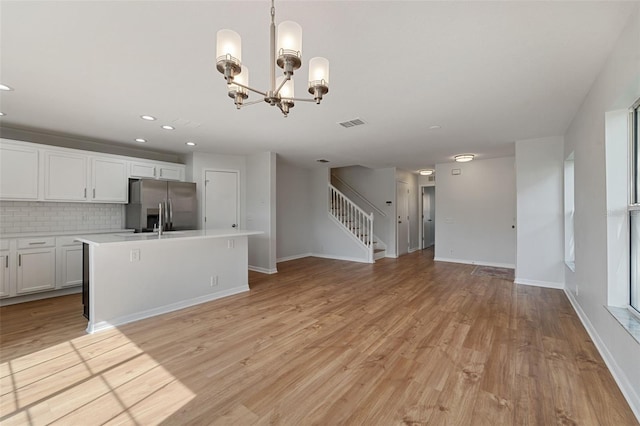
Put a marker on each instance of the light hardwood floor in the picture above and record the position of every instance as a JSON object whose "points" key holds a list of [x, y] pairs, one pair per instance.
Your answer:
{"points": [[404, 341]]}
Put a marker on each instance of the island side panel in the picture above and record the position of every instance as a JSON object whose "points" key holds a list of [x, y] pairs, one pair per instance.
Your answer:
{"points": [[163, 276]]}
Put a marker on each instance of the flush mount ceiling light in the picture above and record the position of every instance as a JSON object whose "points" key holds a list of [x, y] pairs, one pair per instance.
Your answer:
{"points": [[191, 143], [289, 49], [168, 127], [426, 172], [147, 117], [5, 87], [2, 114], [463, 158], [141, 140]]}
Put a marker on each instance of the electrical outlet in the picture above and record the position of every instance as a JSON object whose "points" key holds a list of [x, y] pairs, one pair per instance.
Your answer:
{"points": [[134, 256], [214, 280]]}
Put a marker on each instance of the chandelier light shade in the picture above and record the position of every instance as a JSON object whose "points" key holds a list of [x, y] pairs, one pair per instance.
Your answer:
{"points": [[318, 77], [228, 52], [286, 53]]}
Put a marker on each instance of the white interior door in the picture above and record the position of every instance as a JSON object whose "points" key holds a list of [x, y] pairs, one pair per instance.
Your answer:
{"points": [[402, 225], [221, 199]]}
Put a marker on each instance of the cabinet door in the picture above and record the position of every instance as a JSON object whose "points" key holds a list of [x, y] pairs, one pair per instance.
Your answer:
{"points": [[70, 264], [36, 270], [65, 176], [5, 275], [142, 170], [170, 172], [109, 180], [18, 172]]}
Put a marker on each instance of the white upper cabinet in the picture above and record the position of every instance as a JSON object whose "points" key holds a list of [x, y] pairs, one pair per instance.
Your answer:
{"points": [[65, 176], [156, 170], [34, 172], [108, 180], [139, 169], [18, 172]]}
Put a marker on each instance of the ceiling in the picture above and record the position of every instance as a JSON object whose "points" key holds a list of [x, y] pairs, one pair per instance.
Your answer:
{"points": [[487, 73]]}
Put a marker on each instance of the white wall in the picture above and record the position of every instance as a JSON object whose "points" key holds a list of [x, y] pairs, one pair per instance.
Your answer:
{"points": [[540, 212], [617, 87], [378, 186], [414, 207], [475, 212], [198, 162], [261, 211], [293, 212], [328, 239]]}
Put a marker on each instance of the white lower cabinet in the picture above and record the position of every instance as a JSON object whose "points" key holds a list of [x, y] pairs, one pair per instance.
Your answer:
{"points": [[5, 274], [36, 270], [69, 262]]}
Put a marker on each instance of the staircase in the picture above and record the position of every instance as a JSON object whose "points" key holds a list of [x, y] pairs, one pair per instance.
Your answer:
{"points": [[356, 221]]}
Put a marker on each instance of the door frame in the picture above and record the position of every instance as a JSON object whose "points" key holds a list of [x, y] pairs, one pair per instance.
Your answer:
{"points": [[396, 218], [421, 210], [203, 224]]}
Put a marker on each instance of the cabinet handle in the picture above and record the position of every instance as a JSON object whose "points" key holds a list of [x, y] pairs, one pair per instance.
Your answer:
{"points": [[154, 172], [38, 242], [19, 260], [85, 193], [94, 193], [6, 261]]}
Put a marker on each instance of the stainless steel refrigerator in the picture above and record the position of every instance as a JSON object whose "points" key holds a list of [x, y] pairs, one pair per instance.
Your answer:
{"points": [[149, 199]]}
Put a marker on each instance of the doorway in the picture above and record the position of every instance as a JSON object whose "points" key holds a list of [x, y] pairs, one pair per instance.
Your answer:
{"points": [[428, 216], [402, 225], [221, 199]]}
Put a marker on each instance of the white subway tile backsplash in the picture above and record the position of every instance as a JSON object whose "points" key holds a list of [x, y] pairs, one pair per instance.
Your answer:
{"points": [[30, 216]]}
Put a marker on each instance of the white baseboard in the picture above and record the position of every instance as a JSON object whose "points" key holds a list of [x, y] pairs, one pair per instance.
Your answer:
{"points": [[545, 284], [475, 262], [104, 325], [294, 257], [411, 250], [350, 259], [262, 270], [40, 296], [618, 375]]}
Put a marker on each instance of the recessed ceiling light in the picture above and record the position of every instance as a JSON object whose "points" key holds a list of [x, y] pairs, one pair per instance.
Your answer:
{"points": [[191, 143], [463, 158], [5, 87], [141, 140], [166, 127], [147, 117], [434, 127], [426, 172]]}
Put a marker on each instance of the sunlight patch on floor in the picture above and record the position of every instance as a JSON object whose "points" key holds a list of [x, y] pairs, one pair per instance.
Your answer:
{"points": [[89, 380]]}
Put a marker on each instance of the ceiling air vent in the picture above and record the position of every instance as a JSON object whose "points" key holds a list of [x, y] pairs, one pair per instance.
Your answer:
{"points": [[322, 160], [351, 123]]}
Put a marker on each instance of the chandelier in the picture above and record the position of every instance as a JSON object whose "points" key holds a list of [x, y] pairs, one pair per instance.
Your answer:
{"points": [[289, 49]]}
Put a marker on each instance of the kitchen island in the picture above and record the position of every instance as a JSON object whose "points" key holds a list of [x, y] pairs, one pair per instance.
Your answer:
{"points": [[129, 277]]}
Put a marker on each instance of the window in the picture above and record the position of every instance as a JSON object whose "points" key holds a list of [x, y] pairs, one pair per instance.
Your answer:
{"points": [[634, 207]]}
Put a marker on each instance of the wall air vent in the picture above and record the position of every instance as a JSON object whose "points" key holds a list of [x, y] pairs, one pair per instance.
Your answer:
{"points": [[351, 123], [322, 160], [432, 178]]}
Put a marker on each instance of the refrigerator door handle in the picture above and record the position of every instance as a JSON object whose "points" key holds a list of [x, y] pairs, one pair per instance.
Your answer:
{"points": [[170, 213]]}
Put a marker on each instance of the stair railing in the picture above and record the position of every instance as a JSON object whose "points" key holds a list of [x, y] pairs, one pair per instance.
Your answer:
{"points": [[352, 217]]}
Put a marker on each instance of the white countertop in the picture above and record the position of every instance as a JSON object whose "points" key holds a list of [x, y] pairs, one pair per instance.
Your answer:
{"points": [[150, 237], [84, 232]]}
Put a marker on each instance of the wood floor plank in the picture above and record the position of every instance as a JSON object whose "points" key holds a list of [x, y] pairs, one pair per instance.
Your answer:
{"points": [[405, 341]]}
